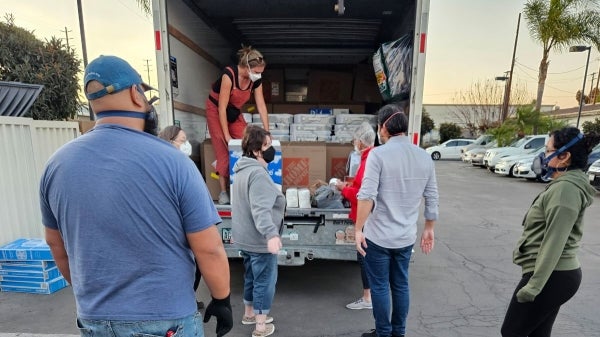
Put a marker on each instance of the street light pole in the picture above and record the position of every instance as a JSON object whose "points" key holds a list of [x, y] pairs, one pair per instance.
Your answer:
{"points": [[578, 49], [506, 80]]}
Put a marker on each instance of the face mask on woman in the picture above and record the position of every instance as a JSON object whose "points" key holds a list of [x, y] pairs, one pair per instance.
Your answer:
{"points": [[186, 148], [269, 154]]}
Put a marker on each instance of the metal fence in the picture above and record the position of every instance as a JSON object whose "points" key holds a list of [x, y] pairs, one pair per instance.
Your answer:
{"points": [[25, 146]]}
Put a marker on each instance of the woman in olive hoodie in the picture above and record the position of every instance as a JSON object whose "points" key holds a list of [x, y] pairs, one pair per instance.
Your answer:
{"points": [[552, 230], [257, 208]]}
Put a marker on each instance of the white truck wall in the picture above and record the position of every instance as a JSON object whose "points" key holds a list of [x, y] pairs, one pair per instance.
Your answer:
{"points": [[199, 52]]}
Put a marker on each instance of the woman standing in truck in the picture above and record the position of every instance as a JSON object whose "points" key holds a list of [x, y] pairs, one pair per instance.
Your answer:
{"points": [[552, 231], [256, 216], [223, 108], [363, 139]]}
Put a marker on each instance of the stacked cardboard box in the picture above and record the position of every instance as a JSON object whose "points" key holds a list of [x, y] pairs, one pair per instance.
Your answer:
{"points": [[26, 265], [279, 125]]}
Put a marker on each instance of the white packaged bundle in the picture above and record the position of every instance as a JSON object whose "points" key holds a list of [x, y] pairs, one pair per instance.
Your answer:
{"points": [[291, 197], [304, 198]]}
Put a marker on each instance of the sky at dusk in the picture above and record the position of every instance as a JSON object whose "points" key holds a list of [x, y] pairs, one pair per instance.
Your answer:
{"points": [[468, 41]]}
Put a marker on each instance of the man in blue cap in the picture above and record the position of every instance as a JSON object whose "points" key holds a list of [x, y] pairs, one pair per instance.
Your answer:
{"points": [[126, 214]]}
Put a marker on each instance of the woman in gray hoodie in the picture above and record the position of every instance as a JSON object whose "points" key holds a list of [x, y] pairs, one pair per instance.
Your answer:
{"points": [[257, 208]]}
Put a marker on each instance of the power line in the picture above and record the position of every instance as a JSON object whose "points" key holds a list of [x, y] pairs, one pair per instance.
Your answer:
{"points": [[549, 73], [136, 12]]}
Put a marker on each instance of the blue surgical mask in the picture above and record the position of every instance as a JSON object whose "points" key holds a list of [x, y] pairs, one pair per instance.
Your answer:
{"points": [[540, 163]]}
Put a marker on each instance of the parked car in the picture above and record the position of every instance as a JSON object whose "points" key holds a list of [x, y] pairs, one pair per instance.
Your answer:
{"points": [[468, 153], [522, 169], [506, 165], [481, 141], [594, 174], [476, 154], [493, 156], [449, 149], [593, 156]]}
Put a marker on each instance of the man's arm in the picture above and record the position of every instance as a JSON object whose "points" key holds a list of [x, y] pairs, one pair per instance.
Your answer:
{"points": [[212, 260], [57, 247]]}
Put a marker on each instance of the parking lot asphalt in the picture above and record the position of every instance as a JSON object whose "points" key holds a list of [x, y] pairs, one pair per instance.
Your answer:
{"points": [[461, 289]]}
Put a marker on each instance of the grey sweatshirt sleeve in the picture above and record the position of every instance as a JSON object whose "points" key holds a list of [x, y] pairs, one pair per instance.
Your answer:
{"points": [[431, 196], [262, 198]]}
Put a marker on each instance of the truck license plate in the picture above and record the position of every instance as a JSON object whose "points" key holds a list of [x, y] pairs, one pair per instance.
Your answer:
{"points": [[226, 235]]}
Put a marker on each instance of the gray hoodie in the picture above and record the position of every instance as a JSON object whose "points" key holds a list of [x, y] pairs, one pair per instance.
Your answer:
{"points": [[257, 206]]}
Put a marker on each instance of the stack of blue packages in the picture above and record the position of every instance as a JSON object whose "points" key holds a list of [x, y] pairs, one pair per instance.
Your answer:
{"points": [[26, 265]]}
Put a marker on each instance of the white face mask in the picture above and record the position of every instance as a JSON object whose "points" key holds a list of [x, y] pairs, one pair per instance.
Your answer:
{"points": [[186, 148], [254, 76]]}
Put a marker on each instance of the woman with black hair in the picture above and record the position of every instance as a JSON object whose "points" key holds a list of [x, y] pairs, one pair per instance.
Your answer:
{"points": [[552, 231]]}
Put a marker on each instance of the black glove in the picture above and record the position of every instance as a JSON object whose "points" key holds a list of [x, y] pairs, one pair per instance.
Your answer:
{"points": [[221, 309]]}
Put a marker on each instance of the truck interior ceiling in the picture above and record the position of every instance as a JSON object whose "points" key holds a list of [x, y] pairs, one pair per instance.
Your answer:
{"points": [[326, 34]]}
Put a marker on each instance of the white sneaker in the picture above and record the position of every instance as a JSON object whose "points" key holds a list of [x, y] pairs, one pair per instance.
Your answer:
{"points": [[223, 198], [359, 304]]}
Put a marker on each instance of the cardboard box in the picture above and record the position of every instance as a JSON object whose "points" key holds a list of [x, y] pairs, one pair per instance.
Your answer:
{"points": [[48, 287], [303, 163], [365, 87], [274, 85], [26, 249], [27, 265], [207, 158], [292, 108], [274, 167], [85, 126], [329, 86], [337, 159], [29, 275]]}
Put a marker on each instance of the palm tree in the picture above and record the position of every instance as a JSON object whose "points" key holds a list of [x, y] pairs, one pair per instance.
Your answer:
{"points": [[145, 5], [558, 24]]}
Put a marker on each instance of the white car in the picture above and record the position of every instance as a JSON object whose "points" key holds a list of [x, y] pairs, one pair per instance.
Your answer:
{"points": [[471, 151], [506, 165], [493, 156], [449, 149], [522, 169], [594, 174]]}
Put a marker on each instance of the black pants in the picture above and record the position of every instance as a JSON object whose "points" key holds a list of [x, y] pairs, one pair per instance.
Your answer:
{"points": [[535, 319]]}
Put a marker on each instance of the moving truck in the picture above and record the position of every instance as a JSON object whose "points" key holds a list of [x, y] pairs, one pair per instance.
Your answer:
{"points": [[319, 56]]}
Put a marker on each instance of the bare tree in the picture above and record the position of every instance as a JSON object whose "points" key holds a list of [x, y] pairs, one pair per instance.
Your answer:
{"points": [[480, 106]]}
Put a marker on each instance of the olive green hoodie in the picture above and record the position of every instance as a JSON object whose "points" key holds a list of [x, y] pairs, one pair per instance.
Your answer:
{"points": [[552, 230]]}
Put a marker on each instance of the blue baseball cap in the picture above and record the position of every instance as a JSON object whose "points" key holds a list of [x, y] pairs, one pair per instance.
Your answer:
{"points": [[114, 73]]}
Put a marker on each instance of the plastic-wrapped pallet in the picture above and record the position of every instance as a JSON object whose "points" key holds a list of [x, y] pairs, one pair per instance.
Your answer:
{"points": [[314, 119], [310, 127], [275, 118], [281, 138], [247, 117], [276, 128], [355, 119], [310, 136]]}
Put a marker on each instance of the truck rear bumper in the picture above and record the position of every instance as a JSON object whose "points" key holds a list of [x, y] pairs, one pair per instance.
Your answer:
{"points": [[297, 256]]}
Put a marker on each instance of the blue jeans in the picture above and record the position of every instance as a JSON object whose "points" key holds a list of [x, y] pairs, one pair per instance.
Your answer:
{"points": [[387, 270], [260, 277], [190, 326]]}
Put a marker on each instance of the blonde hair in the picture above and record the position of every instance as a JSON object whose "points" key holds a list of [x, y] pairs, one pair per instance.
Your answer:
{"points": [[250, 57]]}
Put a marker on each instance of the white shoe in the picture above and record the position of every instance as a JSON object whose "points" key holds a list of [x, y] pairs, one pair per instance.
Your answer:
{"points": [[223, 198], [359, 304]]}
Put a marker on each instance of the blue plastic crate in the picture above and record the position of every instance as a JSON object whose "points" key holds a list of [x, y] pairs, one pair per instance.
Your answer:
{"points": [[26, 249], [34, 287]]}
